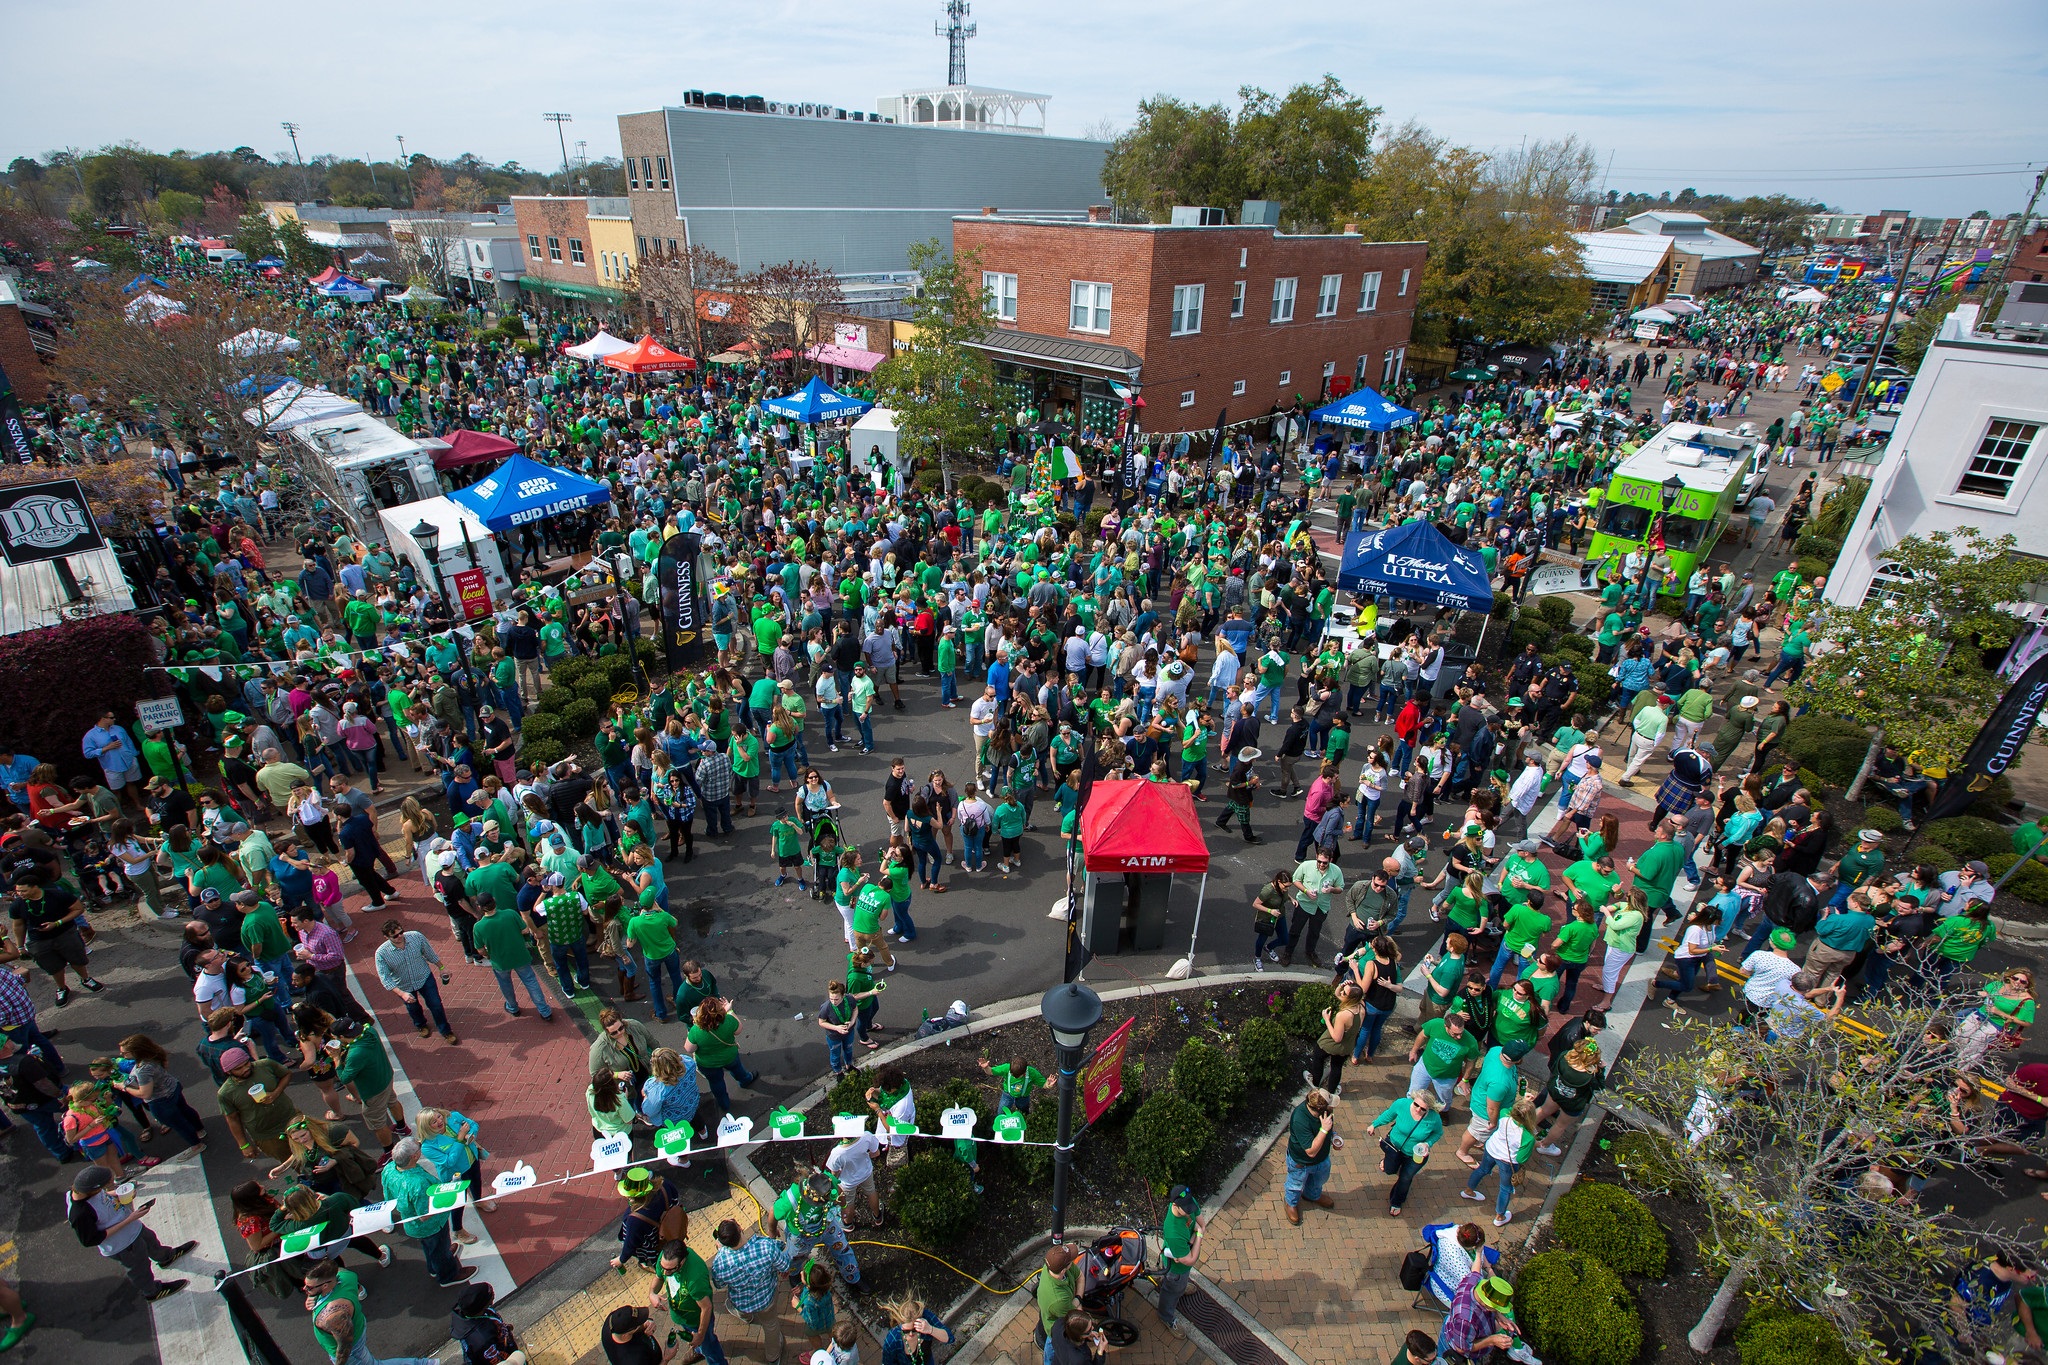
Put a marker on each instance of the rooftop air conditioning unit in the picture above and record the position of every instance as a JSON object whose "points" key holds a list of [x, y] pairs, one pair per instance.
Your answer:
{"points": [[714, 100], [839, 114], [807, 110], [693, 99], [1185, 216], [756, 105]]}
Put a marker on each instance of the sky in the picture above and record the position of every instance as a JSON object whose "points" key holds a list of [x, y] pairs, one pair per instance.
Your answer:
{"points": [[1884, 107]]}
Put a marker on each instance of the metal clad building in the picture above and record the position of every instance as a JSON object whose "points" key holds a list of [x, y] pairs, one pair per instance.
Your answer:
{"points": [[850, 196]]}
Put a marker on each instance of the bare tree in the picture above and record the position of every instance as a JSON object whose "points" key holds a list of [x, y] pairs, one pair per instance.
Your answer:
{"points": [[426, 248], [783, 302], [1547, 174], [671, 287]]}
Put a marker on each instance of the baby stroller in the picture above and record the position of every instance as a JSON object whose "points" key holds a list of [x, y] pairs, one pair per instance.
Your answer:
{"points": [[1109, 1266]]}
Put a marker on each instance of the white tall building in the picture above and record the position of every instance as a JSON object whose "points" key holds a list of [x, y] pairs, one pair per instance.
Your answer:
{"points": [[1970, 449]]}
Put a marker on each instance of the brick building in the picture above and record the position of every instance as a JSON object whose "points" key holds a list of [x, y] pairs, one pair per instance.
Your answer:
{"points": [[1204, 317], [18, 358], [578, 250]]}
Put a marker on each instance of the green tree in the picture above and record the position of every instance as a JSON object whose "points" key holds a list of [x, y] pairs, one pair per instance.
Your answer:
{"points": [[1503, 264], [252, 235], [942, 389], [1767, 221], [1176, 153], [1909, 661], [177, 210], [1916, 336], [1795, 1147], [299, 250]]}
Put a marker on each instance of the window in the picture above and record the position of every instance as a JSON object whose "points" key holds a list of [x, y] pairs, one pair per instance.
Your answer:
{"points": [[671, 246], [1187, 309], [1237, 300], [1998, 459], [1326, 297], [1404, 284], [1286, 378], [1359, 374], [643, 246], [1283, 300], [1089, 308], [1329, 368], [632, 174], [661, 166], [533, 245], [1002, 295], [576, 250], [1369, 292], [1187, 398], [1387, 370], [647, 172], [554, 248], [1237, 389], [1244, 257]]}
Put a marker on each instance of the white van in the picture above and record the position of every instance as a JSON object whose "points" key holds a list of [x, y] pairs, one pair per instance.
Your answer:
{"points": [[225, 255]]}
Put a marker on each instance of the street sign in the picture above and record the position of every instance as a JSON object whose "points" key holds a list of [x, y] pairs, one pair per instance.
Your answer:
{"points": [[160, 713], [1102, 1079], [1831, 381]]}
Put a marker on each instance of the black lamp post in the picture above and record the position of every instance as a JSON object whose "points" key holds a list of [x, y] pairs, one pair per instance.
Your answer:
{"points": [[1672, 487], [428, 537], [1069, 1011]]}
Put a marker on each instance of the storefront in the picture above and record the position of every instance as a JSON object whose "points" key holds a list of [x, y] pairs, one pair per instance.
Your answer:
{"points": [[578, 300], [1060, 379]]}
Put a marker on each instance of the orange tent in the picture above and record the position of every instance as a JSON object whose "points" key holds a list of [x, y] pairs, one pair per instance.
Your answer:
{"points": [[648, 356]]}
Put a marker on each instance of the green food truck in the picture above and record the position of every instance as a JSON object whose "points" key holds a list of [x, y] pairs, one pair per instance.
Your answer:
{"points": [[1682, 484]]}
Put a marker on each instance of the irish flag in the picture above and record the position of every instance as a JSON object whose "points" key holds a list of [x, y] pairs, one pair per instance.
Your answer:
{"points": [[1065, 465]]}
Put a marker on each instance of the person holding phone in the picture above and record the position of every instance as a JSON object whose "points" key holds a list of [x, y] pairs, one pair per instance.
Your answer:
{"points": [[99, 1212]]}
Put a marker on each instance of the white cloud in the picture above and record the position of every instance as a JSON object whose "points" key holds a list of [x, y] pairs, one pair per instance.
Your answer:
{"points": [[1738, 97]]}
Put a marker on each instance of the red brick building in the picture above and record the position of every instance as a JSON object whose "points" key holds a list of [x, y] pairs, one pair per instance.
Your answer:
{"points": [[18, 352], [1204, 318], [2030, 262]]}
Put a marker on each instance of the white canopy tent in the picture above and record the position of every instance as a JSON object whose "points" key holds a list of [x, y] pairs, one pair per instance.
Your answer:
{"points": [[291, 404], [598, 347], [1658, 315], [418, 293], [153, 307], [256, 341], [1808, 295]]}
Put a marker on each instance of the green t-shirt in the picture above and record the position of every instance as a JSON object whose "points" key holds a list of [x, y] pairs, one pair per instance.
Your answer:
{"points": [[868, 908], [262, 936], [500, 938], [1958, 937], [1657, 870], [686, 1286], [1595, 886], [1527, 869], [716, 1048], [1574, 943], [653, 933], [1177, 1237], [1513, 1020], [564, 911], [1444, 978], [1522, 927], [1016, 1086], [788, 836], [366, 1065], [1444, 1057], [1497, 1081]]}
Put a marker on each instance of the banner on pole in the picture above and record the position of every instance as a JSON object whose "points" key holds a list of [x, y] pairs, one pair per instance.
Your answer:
{"points": [[1997, 746], [1102, 1077], [472, 593]]}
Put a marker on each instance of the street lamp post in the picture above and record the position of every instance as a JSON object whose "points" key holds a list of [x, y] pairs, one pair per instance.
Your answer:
{"points": [[428, 537], [1070, 1011]]}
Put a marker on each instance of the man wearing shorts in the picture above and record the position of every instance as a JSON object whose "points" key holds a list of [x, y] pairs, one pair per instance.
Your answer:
{"points": [[853, 1161], [45, 926], [108, 744]]}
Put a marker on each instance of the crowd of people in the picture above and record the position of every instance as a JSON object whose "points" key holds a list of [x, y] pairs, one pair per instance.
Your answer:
{"points": [[1091, 629]]}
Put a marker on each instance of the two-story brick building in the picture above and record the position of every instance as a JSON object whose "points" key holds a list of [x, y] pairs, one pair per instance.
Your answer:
{"points": [[578, 250], [1206, 318]]}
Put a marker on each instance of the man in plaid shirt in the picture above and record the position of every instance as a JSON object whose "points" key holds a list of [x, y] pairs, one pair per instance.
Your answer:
{"points": [[714, 786], [750, 1273]]}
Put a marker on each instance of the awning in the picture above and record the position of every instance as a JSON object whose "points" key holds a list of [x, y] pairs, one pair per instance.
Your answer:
{"points": [[1414, 562], [522, 491], [570, 291], [1364, 408], [1060, 353], [816, 401], [845, 356], [598, 347], [472, 447], [648, 356], [1143, 827]]}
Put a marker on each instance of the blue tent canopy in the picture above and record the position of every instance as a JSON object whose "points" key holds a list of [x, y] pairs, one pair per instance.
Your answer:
{"points": [[522, 491], [140, 281], [817, 401], [268, 262], [343, 287], [1364, 408], [255, 384], [1415, 562]]}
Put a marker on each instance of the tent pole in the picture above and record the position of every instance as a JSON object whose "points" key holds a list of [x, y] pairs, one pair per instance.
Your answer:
{"points": [[1484, 622], [1200, 892]]}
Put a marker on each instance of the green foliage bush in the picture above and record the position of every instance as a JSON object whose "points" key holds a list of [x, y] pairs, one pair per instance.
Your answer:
{"points": [[618, 671], [597, 689], [1573, 1310], [1304, 1017], [934, 1198], [539, 727], [1556, 610], [1609, 1223], [1165, 1139], [2030, 883], [849, 1095], [1812, 781], [1091, 526], [1262, 1052], [569, 672], [1840, 760], [1530, 630], [552, 701], [1128, 1098], [933, 1101], [928, 480], [1883, 819], [1771, 1335], [1209, 1078], [579, 718], [1967, 836], [1924, 854], [1646, 1161], [1595, 687], [539, 753], [512, 325], [1808, 737], [1992, 802], [1034, 1164], [1573, 644]]}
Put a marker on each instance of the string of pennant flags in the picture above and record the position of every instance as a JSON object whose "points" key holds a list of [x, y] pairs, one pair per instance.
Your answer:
{"points": [[611, 1155], [336, 659]]}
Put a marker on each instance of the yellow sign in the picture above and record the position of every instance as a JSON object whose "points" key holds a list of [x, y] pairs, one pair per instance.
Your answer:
{"points": [[1831, 381]]}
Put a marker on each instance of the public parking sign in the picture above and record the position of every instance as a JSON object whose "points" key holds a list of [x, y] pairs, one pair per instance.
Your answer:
{"points": [[160, 713], [40, 521]]}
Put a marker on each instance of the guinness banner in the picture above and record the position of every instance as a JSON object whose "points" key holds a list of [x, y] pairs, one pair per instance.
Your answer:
{"points": [[1997, 746], [40, 521], [682, 611], [14, 443], [1215, 444]]}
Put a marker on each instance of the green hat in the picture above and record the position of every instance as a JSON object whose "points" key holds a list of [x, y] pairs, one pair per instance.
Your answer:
{"points": [[635, 1183], [1784, 938], [461, 820], [1494, 1292], [233, 717]]}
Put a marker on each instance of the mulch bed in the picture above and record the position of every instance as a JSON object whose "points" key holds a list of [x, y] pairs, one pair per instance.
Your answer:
{"points": [[1672, 1305], [1103, 1191]]}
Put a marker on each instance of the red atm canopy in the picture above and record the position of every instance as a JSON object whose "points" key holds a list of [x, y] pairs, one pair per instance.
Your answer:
{"points": [[1143, 827]]}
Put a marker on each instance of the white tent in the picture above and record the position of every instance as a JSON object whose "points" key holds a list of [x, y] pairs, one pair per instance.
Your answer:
{"points": [[598, 347], [255, 342], [1652, 315], [1682, 307], [291, 405], [153, 307], [88, 263], [1808, 295]]}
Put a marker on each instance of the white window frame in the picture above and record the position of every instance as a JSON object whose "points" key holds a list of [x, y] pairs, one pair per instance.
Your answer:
{"points": [[1244, 257], [533, 245], [1186, 318], [1091, 302], [1237, 300], [576, 256], [2000, 430], [661, 165], [1404, 284], [1237, 388], [1326, 295], [1329, 369], [555, 250], [632, 173], [1369, 292], [1284, 289], [1187, 398], [1001, 290], [1286, 378]]}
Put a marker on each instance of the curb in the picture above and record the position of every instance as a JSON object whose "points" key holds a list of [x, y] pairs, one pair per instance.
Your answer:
{"points": [[2015, 931]]}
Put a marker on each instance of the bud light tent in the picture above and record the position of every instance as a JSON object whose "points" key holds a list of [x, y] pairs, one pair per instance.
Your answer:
{"points": [[1364, 408], [816, 402], [521, 492]]}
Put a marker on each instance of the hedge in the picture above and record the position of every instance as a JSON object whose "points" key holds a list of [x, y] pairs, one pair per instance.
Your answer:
{"points": [[1574, 1310], [1609, 1223], [540, 727], [1883, 819], [934, 1198], [1839, 760], [1209, 1078], [1967, 836], [1809, 736], [579, 717], [1574, 644], [1303, 1016], [1556, 610], [1165, 1139], [540, 753], [1647, 1162], [1262, 1052], [1773, 1335], [1935, 856], [2030, 883]]}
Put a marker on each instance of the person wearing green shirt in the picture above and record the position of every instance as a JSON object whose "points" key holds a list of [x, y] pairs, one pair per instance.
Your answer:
{"points": [[870, 903], [1009, 826], [1180, 1246], [263, 939], [682, 1284], [1019, 1079], [1310, 1141], [1791, 656], [1059, 1285], [1656, 868], [339, 1324], [365, 1068], [1494, 1092], [501, 937], [1439, 1053], [1518, 1017], [359, 619], [1413, 1126], [1441, 979], [714, 1041], [1523, 872], [1521, 928], [1593, 880], [652, 930], [1573, 946], [1958, 937], [1624, 924], [411, 1185], [1860, 863], [564, 921], [947, 659]]}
